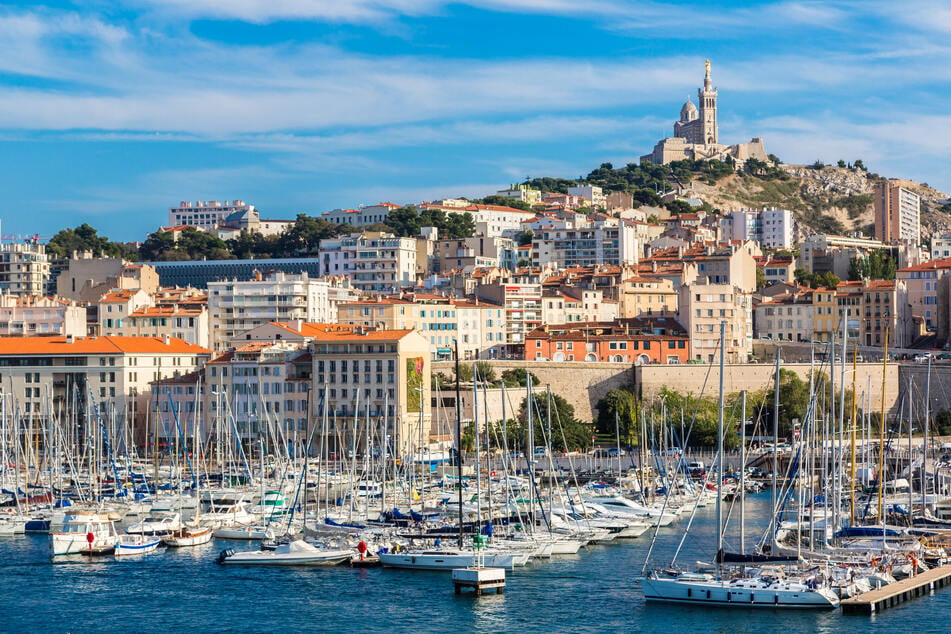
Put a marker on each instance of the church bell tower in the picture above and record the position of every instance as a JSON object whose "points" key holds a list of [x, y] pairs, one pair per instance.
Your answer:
{"points": [[707, 98]]}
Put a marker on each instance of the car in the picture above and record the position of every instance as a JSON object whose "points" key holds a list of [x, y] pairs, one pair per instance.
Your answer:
{"points": [[921, 358], [944, 356]]}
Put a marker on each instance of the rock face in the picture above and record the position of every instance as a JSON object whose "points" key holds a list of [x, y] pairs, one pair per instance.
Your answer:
{"points": [[828, 199]]}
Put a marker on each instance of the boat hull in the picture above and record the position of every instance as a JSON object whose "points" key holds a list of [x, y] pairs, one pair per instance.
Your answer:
{"points": [[725, 594]]}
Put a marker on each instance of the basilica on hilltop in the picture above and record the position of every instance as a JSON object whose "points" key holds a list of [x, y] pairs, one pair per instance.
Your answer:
{"points": [[696, 135]]}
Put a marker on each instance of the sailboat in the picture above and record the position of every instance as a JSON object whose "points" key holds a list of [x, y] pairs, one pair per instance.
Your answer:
{"points": [[767, 586]]}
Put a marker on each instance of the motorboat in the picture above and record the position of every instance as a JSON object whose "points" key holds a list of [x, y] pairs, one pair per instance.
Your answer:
{"points": [[157, 523], [136, 545], [292, 553], [85, 533]]}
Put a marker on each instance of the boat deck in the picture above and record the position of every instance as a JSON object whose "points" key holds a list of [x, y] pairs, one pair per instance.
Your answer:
{"points": [[896, 593]]}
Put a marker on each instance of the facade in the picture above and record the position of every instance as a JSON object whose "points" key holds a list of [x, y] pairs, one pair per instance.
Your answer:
{"points": [[591, 193], [237, 306], [86, 278], [573, 304], [643, 296], [24, 268], [940, 246], [32, 316], [696, 134], [199, 273], [265, 388], [490, 220], [603, 243], [205, 214], [772, 228], [897, 214], [521, 303], [636, 341], [522, 193], [778, 270], [702, 307], [190, 324], [478, 326], [921, 285], [382, 376], [785, 318], [57, 374], [374, 262], [362, 217]]}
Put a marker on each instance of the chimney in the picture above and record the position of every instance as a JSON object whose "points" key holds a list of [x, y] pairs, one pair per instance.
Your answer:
{"points": [[70, 339], [167, 340]]}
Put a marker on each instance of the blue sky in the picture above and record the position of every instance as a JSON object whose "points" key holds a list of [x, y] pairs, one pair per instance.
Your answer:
{"points": [[110, 112]]}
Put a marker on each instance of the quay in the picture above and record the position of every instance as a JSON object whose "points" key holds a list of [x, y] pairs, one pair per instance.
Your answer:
{"points": [[897, 593]]}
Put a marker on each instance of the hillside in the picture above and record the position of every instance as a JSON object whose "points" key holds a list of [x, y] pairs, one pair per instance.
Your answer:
{"points": [[826, 199]]}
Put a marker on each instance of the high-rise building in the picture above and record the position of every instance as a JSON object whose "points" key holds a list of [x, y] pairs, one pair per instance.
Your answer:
{"points": [[772, 228], [374, 261], [24, 268], [897, 214]]}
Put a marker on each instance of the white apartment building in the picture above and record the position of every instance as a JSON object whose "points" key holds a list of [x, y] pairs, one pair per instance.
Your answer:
{"points": [[772, 228], [31, 316], [701, 309], [591, 193], [24, 268], [46, 374], [205, 214], [190, 324], [237, 306], [361, 217], [589, 246], [522, 307], [940, 246], [490, 220], [374, 262]]}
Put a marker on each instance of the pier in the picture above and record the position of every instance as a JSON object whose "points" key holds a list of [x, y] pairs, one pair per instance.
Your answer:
{"points": [[894, 594], [479, 579]]}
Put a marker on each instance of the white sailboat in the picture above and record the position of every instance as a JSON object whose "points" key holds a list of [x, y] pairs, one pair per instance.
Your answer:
{"points": [[293, 553], [763, 587]]}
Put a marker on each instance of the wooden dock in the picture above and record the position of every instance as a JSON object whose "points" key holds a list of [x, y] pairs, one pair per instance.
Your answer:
{"points": [[896, 593], [479, 579]]}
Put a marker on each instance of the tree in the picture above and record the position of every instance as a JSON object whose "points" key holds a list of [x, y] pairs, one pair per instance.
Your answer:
{"points": [[679, 206], [518, 377], [192, 244], [840, 163], [859, 165], [618, 412], [304, 236], [760, 278], [826, 279], [485, 371], [86, 238], [524, 238], [566, 432], [505, 201]]}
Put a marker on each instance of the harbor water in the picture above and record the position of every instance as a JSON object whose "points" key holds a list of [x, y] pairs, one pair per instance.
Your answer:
{"points": [[594, 591]]}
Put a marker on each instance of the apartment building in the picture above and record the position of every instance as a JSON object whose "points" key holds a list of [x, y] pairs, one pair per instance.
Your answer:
{"points": [[31, 315], [24, 268], [921, 284], [897, 214], [521, 303], [643, 296], [190, 324], [236, 306], [702, 307], [205, 214], [771, 227], [374, 262], [381, 376], [478, 326], [638, 341], [370, 215], [604, 243], [785, 317], [86, 278], [61, 374]]}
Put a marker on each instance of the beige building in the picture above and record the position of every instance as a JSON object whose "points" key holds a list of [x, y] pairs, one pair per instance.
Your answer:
{"points": [[375, 262], [921, 284], [785, 318], [643, 296], [702, 307], [87, 278], [383, 376], [185, 323]]}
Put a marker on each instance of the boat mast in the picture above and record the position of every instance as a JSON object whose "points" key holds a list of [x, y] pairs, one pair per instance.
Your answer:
{"points": [[881, 434], [772, 515], [720, 454], [924, 441], [743, 473], [459, 442], [852, 432]]}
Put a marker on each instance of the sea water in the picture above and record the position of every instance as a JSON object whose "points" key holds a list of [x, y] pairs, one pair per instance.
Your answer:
{"points": [[594, 591]]}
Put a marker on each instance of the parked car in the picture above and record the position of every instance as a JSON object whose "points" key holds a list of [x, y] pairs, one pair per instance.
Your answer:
{"points": [[922, 358]]}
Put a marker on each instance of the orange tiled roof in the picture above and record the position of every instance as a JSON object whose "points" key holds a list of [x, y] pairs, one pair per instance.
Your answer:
{"points": [[97, 345]]}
